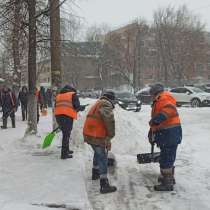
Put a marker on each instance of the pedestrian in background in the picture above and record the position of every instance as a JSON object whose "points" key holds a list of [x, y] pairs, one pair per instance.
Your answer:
{"points": [[9, 106], [23, 101], [49, 95]]}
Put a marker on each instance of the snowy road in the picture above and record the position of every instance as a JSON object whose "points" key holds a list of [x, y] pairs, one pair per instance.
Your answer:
{"points": [[135, 182], [29, 175]]}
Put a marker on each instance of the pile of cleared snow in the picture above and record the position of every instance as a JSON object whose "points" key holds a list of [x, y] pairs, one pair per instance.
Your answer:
{"points": [[33, 178], [131, 129]]}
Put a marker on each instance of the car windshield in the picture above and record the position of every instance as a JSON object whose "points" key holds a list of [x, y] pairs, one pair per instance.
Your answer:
{"points": [[196, 90], [125, 95]]}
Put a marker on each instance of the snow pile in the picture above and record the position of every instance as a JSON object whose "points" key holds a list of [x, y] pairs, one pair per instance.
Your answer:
{"points": [[32, 178]]}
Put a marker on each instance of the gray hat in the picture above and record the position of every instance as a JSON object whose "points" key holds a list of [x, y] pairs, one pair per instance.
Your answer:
{"points": [[156, 89]]}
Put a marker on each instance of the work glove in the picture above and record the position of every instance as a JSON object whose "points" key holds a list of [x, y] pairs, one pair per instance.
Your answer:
{"points": [[154, 122], [82, 107], [108, 144]]}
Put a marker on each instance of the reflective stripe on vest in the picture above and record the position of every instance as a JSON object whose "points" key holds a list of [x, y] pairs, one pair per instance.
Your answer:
{"points": [[64, 106], [94, 125]]}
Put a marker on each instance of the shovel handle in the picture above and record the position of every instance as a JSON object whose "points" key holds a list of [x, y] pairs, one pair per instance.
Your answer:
{"points": [[55, 129], [152, 149]]}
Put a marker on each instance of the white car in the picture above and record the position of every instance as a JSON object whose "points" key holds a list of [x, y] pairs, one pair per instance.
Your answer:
{"points": [[191, 95]]}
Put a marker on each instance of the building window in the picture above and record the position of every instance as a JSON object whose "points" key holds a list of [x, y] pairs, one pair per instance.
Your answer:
{"points": [[208, 66], [199, 67]]}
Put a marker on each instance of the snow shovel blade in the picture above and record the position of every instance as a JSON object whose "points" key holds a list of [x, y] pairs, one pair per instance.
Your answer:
{"points": [[148, 158], [48, 140]]}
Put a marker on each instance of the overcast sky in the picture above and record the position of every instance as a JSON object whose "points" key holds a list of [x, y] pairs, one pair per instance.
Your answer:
{"points": [[120, 12]]}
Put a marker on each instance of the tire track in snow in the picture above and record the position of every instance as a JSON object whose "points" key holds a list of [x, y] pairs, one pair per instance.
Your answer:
{"points": [[131, 194]]}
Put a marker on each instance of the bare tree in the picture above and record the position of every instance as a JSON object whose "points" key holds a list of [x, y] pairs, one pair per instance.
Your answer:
{"points": [[32, 101], [121, 52], [179, 35], [97, 33]]}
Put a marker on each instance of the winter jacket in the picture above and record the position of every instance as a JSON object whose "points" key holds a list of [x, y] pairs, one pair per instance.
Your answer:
{"points": [[103, 111], [165, 123], [42, 97], [8, 101], [23, 97]]}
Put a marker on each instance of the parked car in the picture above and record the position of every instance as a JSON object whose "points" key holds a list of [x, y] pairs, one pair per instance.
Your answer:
{"points": [[128, 101], [89, 94], [205, 87], [144, 96], [191, 95]]}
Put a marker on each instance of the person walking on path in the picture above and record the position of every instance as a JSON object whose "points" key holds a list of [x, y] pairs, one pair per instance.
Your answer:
{"points": [[9, 106], [23, 101]]}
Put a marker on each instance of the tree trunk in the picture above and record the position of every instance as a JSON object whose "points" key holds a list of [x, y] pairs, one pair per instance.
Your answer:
{"points": [[55, 43], [15, 45], [32, 101], [55, 37]]}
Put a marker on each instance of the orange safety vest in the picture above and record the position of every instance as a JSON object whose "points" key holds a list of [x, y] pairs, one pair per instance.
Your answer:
{"points": [[64, 106], [94, 125], [165, 103]]}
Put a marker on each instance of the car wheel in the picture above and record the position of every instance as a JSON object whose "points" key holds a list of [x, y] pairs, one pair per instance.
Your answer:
{"points": [[195, 102], [178, 105]]}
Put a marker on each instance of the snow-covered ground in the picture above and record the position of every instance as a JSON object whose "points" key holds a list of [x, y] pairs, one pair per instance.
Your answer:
{"points": [[32, 178]]}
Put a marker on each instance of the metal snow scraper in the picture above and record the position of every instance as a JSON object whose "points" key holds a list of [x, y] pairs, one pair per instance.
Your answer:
{"points": [[152, 157], [111, 159], [49, 138]]}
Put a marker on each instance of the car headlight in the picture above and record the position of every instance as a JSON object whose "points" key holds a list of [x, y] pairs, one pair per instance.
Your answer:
{"points": [[120, 102], [138, 102], [208, 97]]}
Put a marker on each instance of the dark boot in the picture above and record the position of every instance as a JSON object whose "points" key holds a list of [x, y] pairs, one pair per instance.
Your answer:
{"points": [[70, 152], [13, 122], [167, 181], [95, 174], [65, 154], [4, 126], [105, 187], [160, 178]]}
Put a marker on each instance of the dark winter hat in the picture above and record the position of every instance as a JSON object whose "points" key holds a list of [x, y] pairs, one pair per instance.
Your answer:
{"points": [[110, 95], [69, 88], [156, 89]]}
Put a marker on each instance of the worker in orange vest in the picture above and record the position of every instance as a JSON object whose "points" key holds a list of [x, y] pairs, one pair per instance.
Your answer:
{"points": [[99, 129], [67, 105], [166, 132]]}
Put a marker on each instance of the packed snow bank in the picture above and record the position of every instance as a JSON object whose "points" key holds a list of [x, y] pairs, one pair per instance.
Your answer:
{"points": [[32, 178]]}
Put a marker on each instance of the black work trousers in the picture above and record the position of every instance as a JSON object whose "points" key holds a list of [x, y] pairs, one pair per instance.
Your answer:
{"points": [[24, 110], [6, 114], [66, 124]]}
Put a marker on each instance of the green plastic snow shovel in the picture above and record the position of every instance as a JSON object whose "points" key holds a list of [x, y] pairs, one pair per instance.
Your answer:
{"points": [[49, 138]]}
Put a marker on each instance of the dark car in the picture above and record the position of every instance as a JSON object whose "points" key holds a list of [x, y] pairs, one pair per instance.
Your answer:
{"points": [[144, 96], [128, 101]]}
